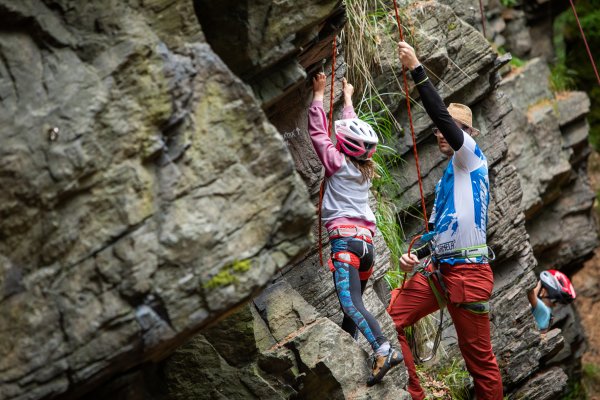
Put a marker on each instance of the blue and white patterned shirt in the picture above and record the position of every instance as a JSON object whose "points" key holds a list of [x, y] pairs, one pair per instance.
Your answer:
{"points": [[461, 202]]}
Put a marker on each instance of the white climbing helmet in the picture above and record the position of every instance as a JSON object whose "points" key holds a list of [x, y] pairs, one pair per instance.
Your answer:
{"points": [[355, 138]]}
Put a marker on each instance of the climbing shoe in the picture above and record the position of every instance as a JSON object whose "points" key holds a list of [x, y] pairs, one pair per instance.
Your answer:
{"points": [[382, 364]]}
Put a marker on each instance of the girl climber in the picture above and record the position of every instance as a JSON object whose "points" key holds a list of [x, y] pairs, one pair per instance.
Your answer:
{"points": [[348, 217], [553, 287]]}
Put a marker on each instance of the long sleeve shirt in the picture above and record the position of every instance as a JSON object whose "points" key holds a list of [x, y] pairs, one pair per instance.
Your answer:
{"points": [[462, 196], [346, 196]]}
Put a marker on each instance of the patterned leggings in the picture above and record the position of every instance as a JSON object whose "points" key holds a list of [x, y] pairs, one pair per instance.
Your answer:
{"points": [[349, 288]]}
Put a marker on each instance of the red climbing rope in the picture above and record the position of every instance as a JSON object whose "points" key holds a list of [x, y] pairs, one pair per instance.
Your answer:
{"points": [[322, 188], [333, 46], [585, 41], [412, 129], [412, 132], [482, 17]]}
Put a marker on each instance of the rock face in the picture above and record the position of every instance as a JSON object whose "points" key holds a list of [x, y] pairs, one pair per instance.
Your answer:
{"points": [[548, 144], [523, 354], [166, 198], [144, 194], [288, 351]]}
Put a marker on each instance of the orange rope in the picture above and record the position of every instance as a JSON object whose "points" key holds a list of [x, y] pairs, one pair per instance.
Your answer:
{"points": [[322, 188], [482, 17], [412, 129], [333, 46], [414, 139], [585, 41]]}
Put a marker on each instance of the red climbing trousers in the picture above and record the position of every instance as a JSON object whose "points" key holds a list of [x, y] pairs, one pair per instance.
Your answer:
{"points": [[465, 283]]}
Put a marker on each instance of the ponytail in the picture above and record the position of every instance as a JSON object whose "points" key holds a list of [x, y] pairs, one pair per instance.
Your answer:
{"points": [[366, 168]]}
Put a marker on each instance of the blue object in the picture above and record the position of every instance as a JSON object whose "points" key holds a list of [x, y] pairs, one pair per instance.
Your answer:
{"points": [[542, 313]]}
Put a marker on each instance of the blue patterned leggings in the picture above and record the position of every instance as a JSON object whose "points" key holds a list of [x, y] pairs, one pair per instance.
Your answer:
{"points": [[349, 289]]}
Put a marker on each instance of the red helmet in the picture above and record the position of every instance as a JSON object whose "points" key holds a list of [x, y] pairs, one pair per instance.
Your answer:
{"points": [[558, 286]]}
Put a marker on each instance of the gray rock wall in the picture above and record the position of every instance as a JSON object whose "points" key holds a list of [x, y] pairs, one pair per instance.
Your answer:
{"points": [[144, 194], [172, 195], [464, 69]]}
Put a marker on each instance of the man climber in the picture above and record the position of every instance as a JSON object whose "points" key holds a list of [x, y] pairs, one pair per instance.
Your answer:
{"points": [[458, 245]]}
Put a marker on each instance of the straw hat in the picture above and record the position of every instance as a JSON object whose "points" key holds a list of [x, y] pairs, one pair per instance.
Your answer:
{"points": [[463, 114]]}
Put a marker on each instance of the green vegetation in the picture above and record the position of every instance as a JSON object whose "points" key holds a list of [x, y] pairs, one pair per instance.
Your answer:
{"points": [[562, 78], [515, 62], [591, 378], [575, 391], [227, 275], [589, 384], [450, 382], [385, 184], [509, 3]]}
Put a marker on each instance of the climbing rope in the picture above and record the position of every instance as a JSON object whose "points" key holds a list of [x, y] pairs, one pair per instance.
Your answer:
{"points": [[322, 188], [333, 53], [587, 47], [412, 130], [482, 17], [410, 120], [413, 343]]}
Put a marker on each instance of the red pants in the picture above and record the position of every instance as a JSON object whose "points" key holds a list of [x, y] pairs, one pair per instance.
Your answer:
{"points": [[465, 283]]}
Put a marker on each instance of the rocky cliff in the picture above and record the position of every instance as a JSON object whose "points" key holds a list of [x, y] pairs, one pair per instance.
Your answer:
{"points": [[159, 174], [145, 193]]}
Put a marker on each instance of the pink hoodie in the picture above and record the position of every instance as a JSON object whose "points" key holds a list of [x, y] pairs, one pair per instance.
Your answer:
{"points": [[331, 158]]}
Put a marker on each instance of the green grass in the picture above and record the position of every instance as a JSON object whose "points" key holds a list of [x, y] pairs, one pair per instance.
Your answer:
{"points": [[517, 62], [562, 78], [457, 379], [591, 378], [449, 382], [509, 3], [575, 391], [227, 275]]}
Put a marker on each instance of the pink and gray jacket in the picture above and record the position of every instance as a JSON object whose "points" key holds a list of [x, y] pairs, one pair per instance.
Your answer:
{"points": [[346, 196]]}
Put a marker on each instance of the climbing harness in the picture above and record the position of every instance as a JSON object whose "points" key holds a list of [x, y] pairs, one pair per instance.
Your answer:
{"points": [[587, 47], [351, 256], [467, 253], [428, 267]]}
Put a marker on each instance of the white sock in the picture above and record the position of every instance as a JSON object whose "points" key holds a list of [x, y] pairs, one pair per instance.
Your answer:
{"points": [[384, 349]]}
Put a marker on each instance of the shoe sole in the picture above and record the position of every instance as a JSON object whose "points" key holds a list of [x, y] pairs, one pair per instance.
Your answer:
{"points": [[387, 365]]}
